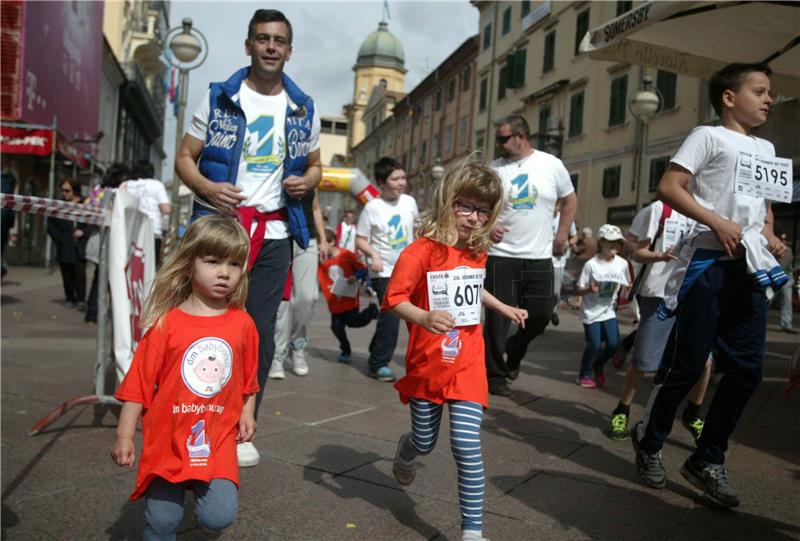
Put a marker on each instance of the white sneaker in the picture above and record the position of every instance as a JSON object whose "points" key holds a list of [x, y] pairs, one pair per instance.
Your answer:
{"points": [[276, 369], [299, 365], [247, 454]]}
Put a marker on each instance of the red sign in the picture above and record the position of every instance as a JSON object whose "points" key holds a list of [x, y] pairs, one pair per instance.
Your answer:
{"points": [[21, 141]]}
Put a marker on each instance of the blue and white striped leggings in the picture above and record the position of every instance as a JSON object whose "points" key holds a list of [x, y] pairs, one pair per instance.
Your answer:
{"points": [[465, 442]]}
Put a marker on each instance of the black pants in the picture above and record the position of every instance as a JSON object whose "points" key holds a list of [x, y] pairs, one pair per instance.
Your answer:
{"points": [[381, 347], [723, 310], [91, 303], [528, 284], [267, 281], [73, 278], [352, 318]]}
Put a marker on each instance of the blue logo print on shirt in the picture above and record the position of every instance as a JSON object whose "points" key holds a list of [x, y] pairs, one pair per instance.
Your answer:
{"points": [[398, 237], [522, 195], [260, 151]]}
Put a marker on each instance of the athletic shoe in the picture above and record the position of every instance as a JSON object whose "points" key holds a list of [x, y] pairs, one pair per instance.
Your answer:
{"points": [[586, 382], [712, 479], [789, 330], [618, 359], [649, 465], [472, 535], [404, 470], [513, 362], [276, 369], [384, 373], [618, 427], [554, 319], [247, 454], [694, 426], [343, 358], [599, 376], [499, 388], [299, 365]]}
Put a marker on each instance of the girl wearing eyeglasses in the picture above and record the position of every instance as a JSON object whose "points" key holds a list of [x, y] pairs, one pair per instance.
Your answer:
{"points": [[437, 287]]}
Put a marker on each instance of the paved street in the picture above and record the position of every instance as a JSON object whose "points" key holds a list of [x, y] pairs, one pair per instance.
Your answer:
{"points": [[327, 441]]}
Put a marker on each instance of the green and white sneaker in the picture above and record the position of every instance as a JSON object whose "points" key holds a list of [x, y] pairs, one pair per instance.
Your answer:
{"points": [[618, 427], [694, 426]]}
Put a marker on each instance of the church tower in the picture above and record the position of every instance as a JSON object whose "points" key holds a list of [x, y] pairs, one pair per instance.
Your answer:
{"points": [[380, 63]]}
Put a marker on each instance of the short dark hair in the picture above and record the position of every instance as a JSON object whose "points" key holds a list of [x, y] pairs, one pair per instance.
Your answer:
{"points": [[517, 124], [268, 16], [143, 169], [384, 167], [330, 236], [731, 77], [73, 183], [117, 174]]}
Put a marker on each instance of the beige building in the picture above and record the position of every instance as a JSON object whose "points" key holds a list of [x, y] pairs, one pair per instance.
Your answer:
{"points": [[577, 108]]}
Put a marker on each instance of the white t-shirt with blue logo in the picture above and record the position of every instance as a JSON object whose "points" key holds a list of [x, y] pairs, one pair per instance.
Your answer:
{"points": [[263, 152], [389, 228], [531, 186]]}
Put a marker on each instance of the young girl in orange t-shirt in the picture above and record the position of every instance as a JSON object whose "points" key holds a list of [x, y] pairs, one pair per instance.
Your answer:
{"points": [[437, 287], [193, 379]]}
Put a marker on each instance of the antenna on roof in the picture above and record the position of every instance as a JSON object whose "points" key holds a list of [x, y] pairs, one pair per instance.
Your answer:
{"points": [[386, 15]]}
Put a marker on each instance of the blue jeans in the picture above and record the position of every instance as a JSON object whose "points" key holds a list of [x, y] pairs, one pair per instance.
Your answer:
{"points": [[724, 310], [381, 348], [215, 506], [596, 333]]}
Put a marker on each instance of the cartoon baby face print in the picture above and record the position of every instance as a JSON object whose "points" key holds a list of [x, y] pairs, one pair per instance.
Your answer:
{"points": [[206, 366]]}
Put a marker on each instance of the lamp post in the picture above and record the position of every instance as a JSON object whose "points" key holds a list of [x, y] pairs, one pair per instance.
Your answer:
{"points": [[437, 171], [644, 106], [189, 50]]}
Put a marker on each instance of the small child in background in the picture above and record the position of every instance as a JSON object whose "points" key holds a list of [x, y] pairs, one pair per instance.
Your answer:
{"points": [[599, 284], [338, 276], [437, 287], [193, 380]]}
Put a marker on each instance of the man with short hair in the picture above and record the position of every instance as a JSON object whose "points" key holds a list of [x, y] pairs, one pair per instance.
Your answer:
{"points": [[519, 270], [253, 148], [153, 198], [346, 231]]}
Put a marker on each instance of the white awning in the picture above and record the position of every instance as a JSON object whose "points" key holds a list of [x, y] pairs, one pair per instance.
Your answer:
{"points": [[700, 38]]}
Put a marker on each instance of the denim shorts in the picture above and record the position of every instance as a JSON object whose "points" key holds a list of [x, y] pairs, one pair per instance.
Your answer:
{"points": [[651, 335]]}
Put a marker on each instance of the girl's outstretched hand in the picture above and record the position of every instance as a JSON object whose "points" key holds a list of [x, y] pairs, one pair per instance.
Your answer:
{"points": [[518, 315], [247, 427], [437, 322], [124, 452]]}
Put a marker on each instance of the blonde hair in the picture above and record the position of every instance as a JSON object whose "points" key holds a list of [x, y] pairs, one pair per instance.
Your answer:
{"points": [[214, 235], [468, 179]]}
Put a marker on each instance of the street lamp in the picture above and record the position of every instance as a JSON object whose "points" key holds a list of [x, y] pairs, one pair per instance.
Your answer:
{"points": [[644, 106], [437, 172], [189, 50]]}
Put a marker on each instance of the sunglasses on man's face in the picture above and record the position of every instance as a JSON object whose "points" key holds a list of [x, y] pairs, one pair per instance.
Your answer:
{"points": [[503, 139]]}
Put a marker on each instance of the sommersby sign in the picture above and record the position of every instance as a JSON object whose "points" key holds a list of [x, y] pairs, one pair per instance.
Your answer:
{"points": [[21, 141], [629, 22]]}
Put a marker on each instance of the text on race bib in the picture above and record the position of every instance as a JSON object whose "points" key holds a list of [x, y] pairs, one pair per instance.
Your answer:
{"points": [[459, 292], [770, 178]]}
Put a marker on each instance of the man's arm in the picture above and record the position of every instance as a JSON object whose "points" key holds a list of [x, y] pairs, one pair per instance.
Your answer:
{"points": [[319, 226], [774, 244], [222, 195], [569, 207], [297, 187], [674, 191]]}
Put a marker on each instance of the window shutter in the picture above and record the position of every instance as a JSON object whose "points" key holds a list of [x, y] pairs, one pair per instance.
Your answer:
{"points": [[519, 68]]}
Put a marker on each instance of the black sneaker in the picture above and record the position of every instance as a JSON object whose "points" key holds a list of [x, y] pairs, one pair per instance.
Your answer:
{"points": [[499, 388], [712, 479], [554, 319], [513, 362], [649, 465]]}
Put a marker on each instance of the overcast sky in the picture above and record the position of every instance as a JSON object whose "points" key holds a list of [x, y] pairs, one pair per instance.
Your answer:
{"points": [[327, 36]]}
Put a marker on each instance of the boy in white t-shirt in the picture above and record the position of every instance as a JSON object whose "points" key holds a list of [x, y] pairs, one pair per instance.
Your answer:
{"points": [[724, 308], [657, 230], [599, 284], [385, 228]]}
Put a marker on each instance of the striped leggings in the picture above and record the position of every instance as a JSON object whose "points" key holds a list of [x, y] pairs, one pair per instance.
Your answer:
{"points": [[465, 443]]}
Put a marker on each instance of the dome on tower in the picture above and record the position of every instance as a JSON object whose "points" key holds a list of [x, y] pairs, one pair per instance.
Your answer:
{"points": [[381, 48]]}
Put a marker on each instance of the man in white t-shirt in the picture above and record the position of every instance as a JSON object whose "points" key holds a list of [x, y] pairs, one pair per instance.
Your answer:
{"points": [[153, 198], [385, 228], [519, 270], [252, 150]]}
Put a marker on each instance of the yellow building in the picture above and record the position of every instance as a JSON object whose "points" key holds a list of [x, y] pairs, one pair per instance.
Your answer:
{"points": [[377, 85]]}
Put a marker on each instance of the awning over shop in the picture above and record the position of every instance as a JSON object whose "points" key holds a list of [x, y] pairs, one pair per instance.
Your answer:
{"points": [[699, 38]]}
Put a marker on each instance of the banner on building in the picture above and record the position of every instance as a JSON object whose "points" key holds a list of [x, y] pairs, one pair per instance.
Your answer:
{"points": [[131, 269], [25, 141]]}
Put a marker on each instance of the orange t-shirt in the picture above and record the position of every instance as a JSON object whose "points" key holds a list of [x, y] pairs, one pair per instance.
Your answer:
{"points": [[438, 367], [192, 375], [343, 265]]}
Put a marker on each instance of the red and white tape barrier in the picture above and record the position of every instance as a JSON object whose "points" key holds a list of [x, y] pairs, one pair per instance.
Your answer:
{"points": [[55, 208]]}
